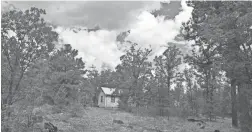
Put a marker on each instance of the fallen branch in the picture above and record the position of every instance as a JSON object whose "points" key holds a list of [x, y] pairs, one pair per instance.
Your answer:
{"points": [[195, 120]]}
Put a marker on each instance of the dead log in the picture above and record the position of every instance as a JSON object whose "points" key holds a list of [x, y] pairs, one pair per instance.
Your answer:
{"points": [[202, 127], [118, 121], [195, 120], [50, 127]]}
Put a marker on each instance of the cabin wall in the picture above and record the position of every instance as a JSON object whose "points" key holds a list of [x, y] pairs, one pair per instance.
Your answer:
{"points": [[111, 104], [103, 103]]}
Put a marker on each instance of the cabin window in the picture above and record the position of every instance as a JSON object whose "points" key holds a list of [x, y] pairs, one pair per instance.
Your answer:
{"points": [[101, 98], [112, 99]]}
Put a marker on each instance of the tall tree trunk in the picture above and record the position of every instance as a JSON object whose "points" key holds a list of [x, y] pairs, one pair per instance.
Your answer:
{"points": [[234, 104], [168, 98], [10, 91], [245, 117], [9, 101], [133, 92], [160, 96], [211, 104], [208, 93]]}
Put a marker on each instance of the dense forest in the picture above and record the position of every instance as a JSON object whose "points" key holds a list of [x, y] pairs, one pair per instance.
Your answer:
{"points": [[216, 83]]}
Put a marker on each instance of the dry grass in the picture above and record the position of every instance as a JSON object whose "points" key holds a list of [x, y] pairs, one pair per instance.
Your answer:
{"points": [[101, 120]]}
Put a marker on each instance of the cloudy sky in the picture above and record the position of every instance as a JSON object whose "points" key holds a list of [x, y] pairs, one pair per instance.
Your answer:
{"points": [[102, 47]]}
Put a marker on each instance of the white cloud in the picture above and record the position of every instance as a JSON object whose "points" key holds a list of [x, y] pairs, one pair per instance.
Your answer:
{"points": [[95, 48], [101, 47], [156, 32]]}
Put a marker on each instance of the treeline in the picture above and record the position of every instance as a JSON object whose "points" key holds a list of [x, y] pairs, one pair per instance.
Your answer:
{"points": [[162, 87]]}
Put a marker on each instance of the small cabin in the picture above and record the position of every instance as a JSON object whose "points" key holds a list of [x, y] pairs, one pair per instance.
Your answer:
{"points": [[108, 97]]}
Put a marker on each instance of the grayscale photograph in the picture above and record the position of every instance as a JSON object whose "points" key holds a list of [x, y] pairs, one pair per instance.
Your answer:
{"points": [[126, 66]]}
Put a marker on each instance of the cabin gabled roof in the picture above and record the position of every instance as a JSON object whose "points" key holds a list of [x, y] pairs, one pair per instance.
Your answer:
{"points": [[111, 91]]}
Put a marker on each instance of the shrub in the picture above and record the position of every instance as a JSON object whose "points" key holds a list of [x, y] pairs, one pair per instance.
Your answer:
{"points": [[124, 106], [75, 109]]}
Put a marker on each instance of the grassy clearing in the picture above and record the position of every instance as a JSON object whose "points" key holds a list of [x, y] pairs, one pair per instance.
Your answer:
{"points": [[101, 120]]}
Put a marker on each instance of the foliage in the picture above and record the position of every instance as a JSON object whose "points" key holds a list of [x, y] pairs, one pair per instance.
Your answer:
{"points": [[25, 37], [165, 71], [133, 71], [64, 79], [221, 30]]}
